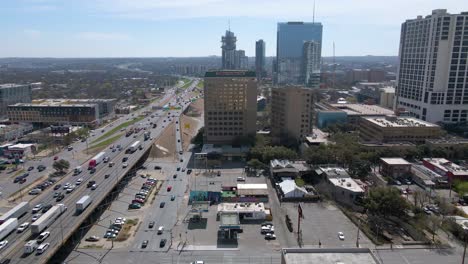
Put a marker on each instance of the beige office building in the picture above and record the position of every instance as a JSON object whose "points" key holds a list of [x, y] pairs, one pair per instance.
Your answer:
{"points": [[392, 129], [230, 105], [291, 112]]}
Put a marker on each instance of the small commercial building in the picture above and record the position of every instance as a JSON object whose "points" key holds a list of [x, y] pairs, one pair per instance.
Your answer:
{"points": [[287, 168], [340, 185], [446, 168], [392, 129], [394, 167], [289, 189], [229, 226], [252, 190], [246, 211]]}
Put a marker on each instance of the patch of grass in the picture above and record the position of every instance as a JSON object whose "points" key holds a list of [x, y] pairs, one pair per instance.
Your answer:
{"points": [[93, 246], [200, 84], [124, 234], [118, 128], [186, 85], [106, 142], [299, 182]]}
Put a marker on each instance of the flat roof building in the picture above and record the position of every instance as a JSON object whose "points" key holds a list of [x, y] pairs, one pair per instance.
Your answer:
{"points": [[343, 188], [446, 168], [252, 189], [397, 129], [230, 105], [291, 112], [11, 93], [394, 167], [87, 112], [247, 211], [328, 256]]}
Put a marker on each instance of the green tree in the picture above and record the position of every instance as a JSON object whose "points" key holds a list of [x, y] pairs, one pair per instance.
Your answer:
{"points": [[359, 168], [256, 164], [61, 165], [267, 153], [385, 201], [198, 139]]}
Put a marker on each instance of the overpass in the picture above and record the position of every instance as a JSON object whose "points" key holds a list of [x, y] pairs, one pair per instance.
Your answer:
{"points": [[69, 227]]}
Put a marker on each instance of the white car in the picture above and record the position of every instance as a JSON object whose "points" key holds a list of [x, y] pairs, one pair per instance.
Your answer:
{"points": [[3, 244], [124, 165], [22, 227], [79, 181], [35, 217], [43, 236], [198, 262], [341, 235]]}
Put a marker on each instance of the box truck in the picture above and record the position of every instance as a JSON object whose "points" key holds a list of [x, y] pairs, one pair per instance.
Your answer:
{"points": [[83, 203], [134, 147], [30, 246], [15, 212], [77, 170], [48, 218]]}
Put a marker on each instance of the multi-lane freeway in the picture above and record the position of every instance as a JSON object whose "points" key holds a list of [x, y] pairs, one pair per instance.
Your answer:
{"points": [[64, 226]]}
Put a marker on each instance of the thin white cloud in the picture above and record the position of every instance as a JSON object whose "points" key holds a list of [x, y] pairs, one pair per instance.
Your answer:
{"points": [[32, 33], [332, 11], [102, 36]]}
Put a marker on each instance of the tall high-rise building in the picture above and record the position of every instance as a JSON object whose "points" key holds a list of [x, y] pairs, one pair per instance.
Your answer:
{"points": [[12, 94], [432, 82], [290, 43], [311, 57], [230, 105], [228, 50], [291, 112], [241, 61], [260, 58]]}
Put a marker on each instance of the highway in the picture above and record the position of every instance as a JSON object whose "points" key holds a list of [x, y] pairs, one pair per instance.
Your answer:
{"points": [[65, 224]]}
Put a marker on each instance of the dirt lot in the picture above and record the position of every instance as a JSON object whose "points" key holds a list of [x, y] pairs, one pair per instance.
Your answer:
{"points": [[189, 123], [164, 147]]}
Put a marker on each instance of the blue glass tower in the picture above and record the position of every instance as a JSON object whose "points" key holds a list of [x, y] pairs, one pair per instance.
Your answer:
{"points": [[289, 49]]}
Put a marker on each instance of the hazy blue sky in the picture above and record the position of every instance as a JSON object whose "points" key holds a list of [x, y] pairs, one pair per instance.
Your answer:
{"points": [[158, 28]]}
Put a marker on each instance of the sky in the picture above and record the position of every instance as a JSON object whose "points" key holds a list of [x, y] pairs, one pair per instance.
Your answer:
{"points": [[192, 28]]}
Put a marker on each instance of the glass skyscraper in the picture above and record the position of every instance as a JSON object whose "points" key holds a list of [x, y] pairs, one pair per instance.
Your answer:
{"points": [[289, 50]]}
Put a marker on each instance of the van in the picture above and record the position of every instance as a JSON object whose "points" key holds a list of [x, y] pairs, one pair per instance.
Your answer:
{"points": [[30, 246], [42, 247]]}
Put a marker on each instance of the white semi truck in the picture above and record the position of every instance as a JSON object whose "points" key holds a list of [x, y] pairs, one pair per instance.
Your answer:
{"points": [[48, 218], [7, 227], [15, 212]]}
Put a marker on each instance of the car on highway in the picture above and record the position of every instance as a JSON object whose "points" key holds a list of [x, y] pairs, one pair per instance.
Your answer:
{"points": [[173, 197], [34, 191], [169, 188], [144, 244], [162, 204], [60, 197], [46, 208], [79, 181], [90, 183], [42, 248], [106, 176], [183, 169], [174, 176], [56, 194], [43, 236], [37, 208], [22, 227], [189, 171], [341, 236], [111, 164], [92, 171], [198, 262], [270, 236], [94, 187], [3, 244], [151, 224], [56, 187], [31, 168], [35, 217], [71, 188], [124, 159], [178, 169], [162, 243], [124, 165]]}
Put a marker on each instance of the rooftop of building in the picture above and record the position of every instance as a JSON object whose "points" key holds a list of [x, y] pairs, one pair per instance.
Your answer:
{"points": [[363, 109], [388, 89], [395, 161], [297, 165], [333, 172], [249, 186], [317, 137], [394, 121], [447, 165], [229, 220], [11, 85], [346, 183], [241, 207], [289, 185], [230, 73], [64, 102], [329, 256]]}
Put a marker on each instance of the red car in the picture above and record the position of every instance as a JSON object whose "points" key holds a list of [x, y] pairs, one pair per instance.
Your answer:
{"points": [[56, 158], [169, 188]]}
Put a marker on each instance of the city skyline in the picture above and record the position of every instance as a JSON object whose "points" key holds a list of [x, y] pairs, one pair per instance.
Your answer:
{"points": [[50, 28]]}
